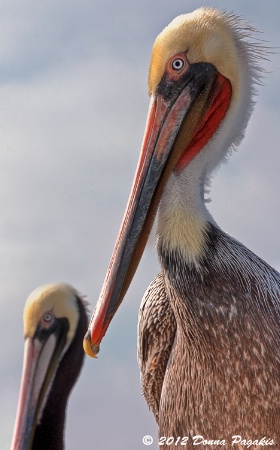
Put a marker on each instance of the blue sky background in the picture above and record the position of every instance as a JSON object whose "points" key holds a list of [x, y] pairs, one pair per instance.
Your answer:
{"points": [[73, 105]]}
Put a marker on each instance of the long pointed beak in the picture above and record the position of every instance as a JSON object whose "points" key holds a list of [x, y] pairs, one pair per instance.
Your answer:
{"points": [[175, 129], [41, 358]]}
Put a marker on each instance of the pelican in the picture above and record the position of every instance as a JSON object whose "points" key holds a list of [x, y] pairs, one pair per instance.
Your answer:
{"points": [[55, 321], [208, 333]]}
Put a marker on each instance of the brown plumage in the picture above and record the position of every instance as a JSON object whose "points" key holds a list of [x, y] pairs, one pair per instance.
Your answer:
{"points": [[221, 343], [156, 332]]}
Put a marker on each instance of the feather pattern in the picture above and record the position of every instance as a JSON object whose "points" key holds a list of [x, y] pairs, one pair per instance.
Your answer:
{"points": [[156, 332], [211, 336]]}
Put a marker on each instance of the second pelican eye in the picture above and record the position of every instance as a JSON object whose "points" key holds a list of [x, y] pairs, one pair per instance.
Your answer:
{"points": [[48, 317], [47, 320], [178, 64]]}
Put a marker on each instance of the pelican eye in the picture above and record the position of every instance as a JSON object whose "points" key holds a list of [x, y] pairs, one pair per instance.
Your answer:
{"points": [[48, 317], [46, 321], [178, 64]]}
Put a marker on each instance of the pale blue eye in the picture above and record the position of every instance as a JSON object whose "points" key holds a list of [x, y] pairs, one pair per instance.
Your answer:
{"points": [[178, 64], [47, 317]]}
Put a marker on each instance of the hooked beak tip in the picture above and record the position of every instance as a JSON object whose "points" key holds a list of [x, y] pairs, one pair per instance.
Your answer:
{"points": [[89, 348]]}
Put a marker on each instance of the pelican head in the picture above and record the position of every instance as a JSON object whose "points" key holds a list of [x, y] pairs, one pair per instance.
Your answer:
{"points": [[54, 322], [201, 83]]}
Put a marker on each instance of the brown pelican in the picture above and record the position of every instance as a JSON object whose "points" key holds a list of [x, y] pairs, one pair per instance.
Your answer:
{"points": [[55, 321], [209, 340]]}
